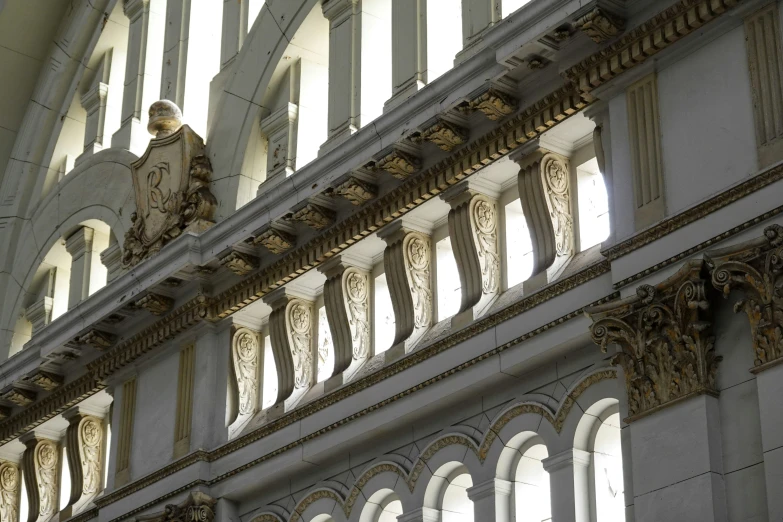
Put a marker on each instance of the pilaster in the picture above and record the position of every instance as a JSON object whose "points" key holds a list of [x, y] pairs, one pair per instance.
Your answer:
{"points": [[79, 245], [280, 131], [111, 258], [40, 313], [84, 440], [184, 412], [291, 328], [344, 70], [409, 50], [492, 500], [477, 17], [407, 262], [473, 228], [347, 302], [568, 480], [124, 432], [94, 103], [41, 472]]}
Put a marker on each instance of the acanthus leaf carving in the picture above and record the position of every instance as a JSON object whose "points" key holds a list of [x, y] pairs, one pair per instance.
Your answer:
{"points": [[399, 164], [245, 351], [357, 302], [46, 380], [300, 326], [276, 241], [9, 492], [493, 104], [755, 268], [485, 221], [445, 135], [155, 304], [19, 397], [98, 339], [417, 257], [240, 263], [315, 216], [197, 507], [356, 191], [600, 25], [46, 473], [665, 335], [554, 171]]}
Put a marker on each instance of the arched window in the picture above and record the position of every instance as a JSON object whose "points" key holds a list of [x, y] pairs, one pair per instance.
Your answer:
{"points": [[382, 506], [531, 484], [607, 464], [448, 492]]}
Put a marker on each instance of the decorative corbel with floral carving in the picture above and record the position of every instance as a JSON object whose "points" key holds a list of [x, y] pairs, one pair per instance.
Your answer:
{"points": [[665, 337], [600, 25], [276, 241], [197, 507], [10, 481], [155, 304], [240, 263], [756, 269]]}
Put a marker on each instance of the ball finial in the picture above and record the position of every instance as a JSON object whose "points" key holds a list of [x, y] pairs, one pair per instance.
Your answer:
{"points": [[165, 118]]}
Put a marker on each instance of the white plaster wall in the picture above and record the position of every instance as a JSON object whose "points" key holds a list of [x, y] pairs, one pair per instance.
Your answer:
{"points": [[153, 426], [706, 116]]}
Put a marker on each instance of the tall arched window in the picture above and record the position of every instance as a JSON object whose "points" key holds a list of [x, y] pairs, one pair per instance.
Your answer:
{"points": [[448, 492], [607, 464], [531, 484], [382, 506]]}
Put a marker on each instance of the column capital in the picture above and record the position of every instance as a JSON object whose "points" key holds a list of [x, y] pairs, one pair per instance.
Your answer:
{"points": [[492, 487], [134, 8], [40, 313], [423, 514], [336, 11], [80, 242], [565, 459]]}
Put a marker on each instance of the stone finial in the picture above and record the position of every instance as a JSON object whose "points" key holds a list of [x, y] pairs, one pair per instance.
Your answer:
{"points": [[165, 118]]}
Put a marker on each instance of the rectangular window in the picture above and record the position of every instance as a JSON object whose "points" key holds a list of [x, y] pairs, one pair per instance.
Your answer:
{"points": [[269, 392], [593, 205], [383, 320], [448, 284], [519, 248]]}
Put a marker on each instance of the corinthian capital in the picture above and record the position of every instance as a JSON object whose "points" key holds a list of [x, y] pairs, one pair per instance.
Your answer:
{"points": [[756, 269], [665, 337]]}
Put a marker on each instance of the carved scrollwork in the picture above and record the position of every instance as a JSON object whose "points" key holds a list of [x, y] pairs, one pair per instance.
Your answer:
{"points": [[493, 104], [46, 473], [9, 492], [356, 191], [356, 291], [755, 268], [399, 164], [600, 25], [665, 336], [276, 241], [198, 507], [445, 135], [240, 263], [315, 216], [554, 171], [245, 351], [155, 304], [91, 433], [300, 322], [487, 244], [417, 253]]}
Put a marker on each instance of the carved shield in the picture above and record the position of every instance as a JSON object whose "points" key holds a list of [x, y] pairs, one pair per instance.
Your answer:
{"points": [[160, 178]]}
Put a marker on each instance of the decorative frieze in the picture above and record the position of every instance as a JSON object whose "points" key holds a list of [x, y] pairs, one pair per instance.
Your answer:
{"points": [[186, 379], [40, 469], [171, 182], [240, 263], [315, 216], [445, 135], [645, 143], [246, 356], [84, 440], [665, 337], [473, 229], [276, 241], [10, 486], [407, 263], [755, 268], [356, 191], [493, 104], [155, 304], [600, 25], [347, 302], [399, 164]]}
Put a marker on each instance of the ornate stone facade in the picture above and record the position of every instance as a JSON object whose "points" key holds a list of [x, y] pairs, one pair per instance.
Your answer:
{"points": [[246, 355]]}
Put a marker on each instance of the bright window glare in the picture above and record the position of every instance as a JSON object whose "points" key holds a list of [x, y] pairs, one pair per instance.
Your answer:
{"points": [[519, 248], [384, 316], [325, 347], [457, 507], [376, 58], [203, 62], [390, 513], [444, 36], [593, 205], [270, 376], [509, 6], [531, 487], [608, 464], [253, 8], [65, 481], [449, 287]]}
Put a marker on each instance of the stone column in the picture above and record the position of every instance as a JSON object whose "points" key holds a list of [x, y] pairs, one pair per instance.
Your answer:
{"points": [[544, 189], [477, 17], [568, 483], [279, 129], [407, 261], [84, 441], [79, 245], [10, 489], [666, 350], [234, 30], [41, 472], [347, 302], [175, 52], [753, 267], [345, 61], [409, 50], [142, 70], [291, 329], [473, 229], [492, 500]]}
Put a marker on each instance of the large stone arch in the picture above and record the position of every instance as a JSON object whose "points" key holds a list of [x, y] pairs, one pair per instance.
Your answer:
{"points": [[106, 177], [241, 100]]}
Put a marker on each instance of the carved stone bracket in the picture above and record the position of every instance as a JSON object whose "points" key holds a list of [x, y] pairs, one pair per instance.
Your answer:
{"points": [[98, 339], [347, 302], [171, 182], [600, 25], [10, 485], [19, 397], [315, 216], [665, 337], [473, 228], [276, 241], [197, 507], [399, 164], [291, 326], [756, 269], [246, 354], [445, 135], [356, 191], [544, 178], [240, 263], [407, 262], [155, 304], [493, 104], [40, 469], [46, 380], [84, 440]]}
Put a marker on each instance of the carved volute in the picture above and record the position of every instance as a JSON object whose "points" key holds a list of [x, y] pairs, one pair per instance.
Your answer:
{"points": [[197, 507], [756, 269], [665, 337]]}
